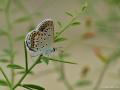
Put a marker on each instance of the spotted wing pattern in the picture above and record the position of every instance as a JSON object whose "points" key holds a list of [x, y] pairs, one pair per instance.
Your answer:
{"points": [[40, 40]]}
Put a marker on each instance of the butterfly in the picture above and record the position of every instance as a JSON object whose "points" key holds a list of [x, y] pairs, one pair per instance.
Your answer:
{"points": [[40, 40]]}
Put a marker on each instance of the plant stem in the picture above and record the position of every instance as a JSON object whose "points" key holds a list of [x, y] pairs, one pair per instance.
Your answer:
{"points": [[26, 73], [5, 76], [67, 26], [52, 59], [26, 58], [10, 38], [115, 55], [101, 77], [64, 79]]}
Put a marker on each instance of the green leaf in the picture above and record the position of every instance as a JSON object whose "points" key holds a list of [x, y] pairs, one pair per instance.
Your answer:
{"points": [[3, 32], [23, 72], [60, 39], [3, 3], [59, 23], [4, 60], [20, 38], [69, 14], [84, 6], [52, 59], [3, 83], [76, 23], [46, 60], [14, 66], [22, 19], [31, 86], [9, 52], [83, 83]]}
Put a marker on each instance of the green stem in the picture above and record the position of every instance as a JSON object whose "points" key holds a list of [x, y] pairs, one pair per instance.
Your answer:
{"points": [[67, 26], [52, 59], [26, 73], [64, 79], [101, 77], [26, 58], [5, 76], [114, 56], [10, 38]]}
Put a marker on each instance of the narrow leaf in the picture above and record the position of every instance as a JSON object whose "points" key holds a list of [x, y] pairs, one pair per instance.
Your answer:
{"points": [[84, 6], [31, 86], [59, 23], [3, 32], [52, 59], [46, 60], [14, 66], [60, 39], [75, 23], [69, 14], [3, 60], [3, 83], [83, 83], [23, 72]]}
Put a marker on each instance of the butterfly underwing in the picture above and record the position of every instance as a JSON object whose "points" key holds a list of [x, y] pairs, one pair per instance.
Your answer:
{"points": [[40, 40]]}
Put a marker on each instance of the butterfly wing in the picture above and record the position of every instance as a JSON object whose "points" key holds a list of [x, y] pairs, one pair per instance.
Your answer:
{"points": [[40, 40], [32, 43], [46, 27]]}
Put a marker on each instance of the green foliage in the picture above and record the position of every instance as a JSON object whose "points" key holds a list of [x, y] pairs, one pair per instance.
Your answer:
{"points": [[31, 87], [3, 83], [69, 14], [46, 60], [83, 83], [60, 39], [14, 66], [24, 71], [3, 3], [3, 32], [75, 23], [113, 2], [60, 24], [4, 60]]}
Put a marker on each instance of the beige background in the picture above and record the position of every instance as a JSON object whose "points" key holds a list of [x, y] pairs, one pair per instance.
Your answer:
{"points": [[79, 52]]}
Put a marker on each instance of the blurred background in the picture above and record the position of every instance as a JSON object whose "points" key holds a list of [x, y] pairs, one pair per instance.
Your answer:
{"points": [[89, 41]]}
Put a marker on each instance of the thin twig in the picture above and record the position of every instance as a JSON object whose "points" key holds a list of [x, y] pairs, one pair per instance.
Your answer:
{"points": [[5, 76], [10, 38], [64, 79], [26, 57], [114, 56], [101, 77]]}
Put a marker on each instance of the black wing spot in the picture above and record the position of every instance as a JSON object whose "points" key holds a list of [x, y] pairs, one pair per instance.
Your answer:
{"points": [[29, 47], [42, 47]]}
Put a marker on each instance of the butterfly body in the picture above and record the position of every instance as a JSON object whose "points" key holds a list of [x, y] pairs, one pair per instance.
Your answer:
{"points": [[40, 40]]}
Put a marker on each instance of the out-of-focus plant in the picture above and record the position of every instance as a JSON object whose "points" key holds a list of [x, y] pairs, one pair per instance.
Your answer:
{"points": [[10, 53]]}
